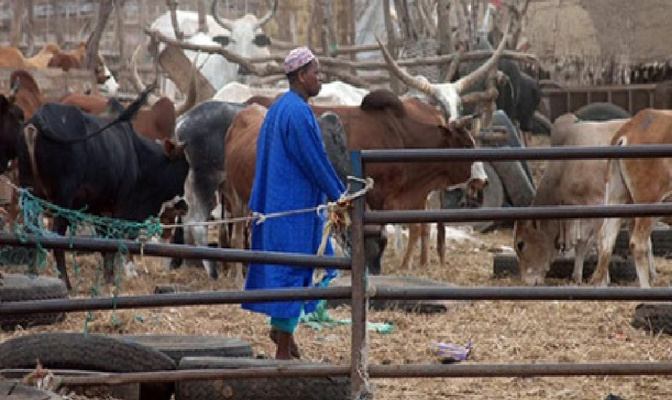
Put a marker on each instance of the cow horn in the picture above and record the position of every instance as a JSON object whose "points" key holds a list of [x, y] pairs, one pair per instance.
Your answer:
{"points": [[482, 71], [263, 20], [135, 77], [411, 81], [192, 95], [223, 22]]}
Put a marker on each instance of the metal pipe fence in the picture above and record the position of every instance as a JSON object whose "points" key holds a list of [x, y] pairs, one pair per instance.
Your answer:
{"points": [[360, 292]]}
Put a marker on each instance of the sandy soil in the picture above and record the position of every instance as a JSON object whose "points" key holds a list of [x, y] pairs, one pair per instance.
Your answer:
{"points": [[502, 332]]}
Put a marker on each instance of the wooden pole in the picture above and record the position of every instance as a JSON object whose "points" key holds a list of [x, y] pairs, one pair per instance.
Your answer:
{"points": [[17, 21]]}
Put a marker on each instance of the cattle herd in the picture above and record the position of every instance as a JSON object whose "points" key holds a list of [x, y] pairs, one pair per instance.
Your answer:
{"points": [[130, 161]]}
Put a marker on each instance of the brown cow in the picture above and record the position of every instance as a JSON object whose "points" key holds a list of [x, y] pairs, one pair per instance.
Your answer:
{"points": [[565, 182], [383, 121], [11, 57], [636, 180]]}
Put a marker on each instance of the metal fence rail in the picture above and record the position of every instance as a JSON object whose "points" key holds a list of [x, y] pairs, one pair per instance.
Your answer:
{"points": [[360, 292]]}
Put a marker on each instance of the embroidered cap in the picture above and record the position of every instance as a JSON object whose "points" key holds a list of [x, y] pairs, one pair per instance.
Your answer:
{"points": [[297, 58]]}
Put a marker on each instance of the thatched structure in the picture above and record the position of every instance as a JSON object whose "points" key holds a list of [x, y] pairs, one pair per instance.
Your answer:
{"points": [[598, 41]]}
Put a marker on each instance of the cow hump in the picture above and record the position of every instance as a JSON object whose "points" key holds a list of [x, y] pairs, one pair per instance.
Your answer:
{"points": [[382, 99]]}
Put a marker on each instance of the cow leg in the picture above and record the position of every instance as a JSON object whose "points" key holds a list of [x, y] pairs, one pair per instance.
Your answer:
{"points": [[60, 227], [441, 243], [424, 244], [652, 267], [580, 249], [640, 247], [616, 193], [414, 231], [605, 245]]}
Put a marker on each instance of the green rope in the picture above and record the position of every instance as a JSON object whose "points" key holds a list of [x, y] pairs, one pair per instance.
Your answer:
{"points": [[35, 259]]}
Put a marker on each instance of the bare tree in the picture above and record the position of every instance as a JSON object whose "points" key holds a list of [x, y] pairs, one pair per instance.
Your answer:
{"points": [[202, 21], [17, 21], [58, 21]]}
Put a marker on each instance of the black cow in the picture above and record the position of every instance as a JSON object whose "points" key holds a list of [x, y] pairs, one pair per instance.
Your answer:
{"points": [[80, 161], [11, 118], [519, 94]]}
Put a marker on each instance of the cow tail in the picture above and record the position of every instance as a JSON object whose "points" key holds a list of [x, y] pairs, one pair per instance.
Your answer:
{"points": [[617, 188]]}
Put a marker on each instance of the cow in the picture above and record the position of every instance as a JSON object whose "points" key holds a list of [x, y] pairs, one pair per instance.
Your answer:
{"points": [[51, 55], [565, 182], [204, 129], [332, 93], [79, 161], [243, 36], [156, 122], [12, 57], [636, 180]]}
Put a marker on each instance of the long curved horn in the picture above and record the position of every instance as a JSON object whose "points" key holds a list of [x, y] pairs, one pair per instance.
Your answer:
{"points": [[411, 81], [482, 71], [268, 16], [192, 94], [223, 22], [135, 77]]}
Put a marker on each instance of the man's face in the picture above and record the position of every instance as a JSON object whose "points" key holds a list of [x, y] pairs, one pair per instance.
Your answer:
{"points": [[310, 78]]}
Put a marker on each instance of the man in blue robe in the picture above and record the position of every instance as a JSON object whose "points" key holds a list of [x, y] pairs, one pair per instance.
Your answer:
{"points": [[292, 172]]}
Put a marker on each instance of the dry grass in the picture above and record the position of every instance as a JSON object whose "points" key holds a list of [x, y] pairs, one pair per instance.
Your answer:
{"points": [[502, 332]]}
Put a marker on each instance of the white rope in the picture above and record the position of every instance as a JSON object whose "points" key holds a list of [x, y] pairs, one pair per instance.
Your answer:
{"points": [[260, 218]]}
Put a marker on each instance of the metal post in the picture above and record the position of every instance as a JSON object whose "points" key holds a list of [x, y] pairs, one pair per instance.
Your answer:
{"points": [[359, 373]]}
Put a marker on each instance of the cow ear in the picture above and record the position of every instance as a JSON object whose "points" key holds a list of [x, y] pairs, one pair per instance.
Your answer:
{"points": [[222, 40], [262, 40]]}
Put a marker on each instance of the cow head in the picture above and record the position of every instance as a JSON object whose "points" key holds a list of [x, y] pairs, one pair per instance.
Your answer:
{"points": [[448, 94], [11, 120], [246, 37], [536, 248]]}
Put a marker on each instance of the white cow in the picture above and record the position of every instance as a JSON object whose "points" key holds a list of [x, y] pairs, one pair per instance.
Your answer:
{"points": [[243, 36], [332, 93]]}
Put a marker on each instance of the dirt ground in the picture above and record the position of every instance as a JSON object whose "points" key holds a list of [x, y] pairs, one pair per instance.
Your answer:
{"points": [[501, 332]]}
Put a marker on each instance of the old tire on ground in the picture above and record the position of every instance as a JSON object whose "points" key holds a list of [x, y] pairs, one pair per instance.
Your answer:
{"points": [[516, 182], [661, 241], [12, 390], [620, 270], [17, 287], [653, 317], [69, 350], [180, 346], [312, 388]]}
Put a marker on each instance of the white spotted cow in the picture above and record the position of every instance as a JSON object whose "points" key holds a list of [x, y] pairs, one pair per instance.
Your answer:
{"points": [[243, 36]]}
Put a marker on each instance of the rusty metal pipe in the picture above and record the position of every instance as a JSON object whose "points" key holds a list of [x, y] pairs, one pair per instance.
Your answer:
{"points": [[381, 371], [176, 250], [517, 213], [506, 154], [172, 300]]}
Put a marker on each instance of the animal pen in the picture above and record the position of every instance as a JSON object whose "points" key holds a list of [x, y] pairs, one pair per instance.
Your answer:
{"points": [[360, 292]]}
